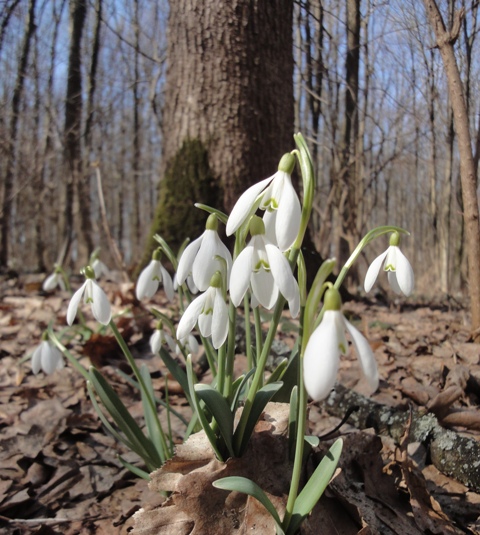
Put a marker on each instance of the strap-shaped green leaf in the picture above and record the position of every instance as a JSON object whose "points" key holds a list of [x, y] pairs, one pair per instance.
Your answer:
{"points": [[292, 423], [198, 409], [278, 371], [220, 410], [124, 419], [238, 387], [247, 486], [177, 371], [315, 486], [262, 397]]}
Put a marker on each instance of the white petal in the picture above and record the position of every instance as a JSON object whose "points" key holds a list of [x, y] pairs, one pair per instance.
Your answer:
{"points": [[219, 321], [192, 344], [74, 302], [244, 205], [205, 323], [365, 356], [50, 283], [289, 213], [321, 359], [205, 264], [51, 356], [404, 272], [167, 283], [281, 271], [37, 358], [393, 282], [100, 305], [294, 304], [269, 220], [148, 280], [240, 275], [186, 260], [190, 316], [156, 341], [264, 288], [373, 270]]}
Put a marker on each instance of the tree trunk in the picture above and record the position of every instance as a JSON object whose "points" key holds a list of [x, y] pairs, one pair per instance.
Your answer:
{"points": [[468, 174], [228, 88], [77, 210], [5, 217]]}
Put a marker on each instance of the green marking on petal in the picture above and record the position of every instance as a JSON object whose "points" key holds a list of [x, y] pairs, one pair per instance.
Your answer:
{"points": [[89, 300], [389, 267], [261, 264], [342, 348]]}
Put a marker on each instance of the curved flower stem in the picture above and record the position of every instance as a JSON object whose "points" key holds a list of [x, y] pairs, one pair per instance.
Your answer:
{"points": [[300, 438], [227, 388], [248, 333]]}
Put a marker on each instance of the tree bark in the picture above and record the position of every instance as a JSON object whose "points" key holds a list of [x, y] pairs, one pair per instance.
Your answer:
{"points": [[468, 174], [229, 86], [5, 217]]}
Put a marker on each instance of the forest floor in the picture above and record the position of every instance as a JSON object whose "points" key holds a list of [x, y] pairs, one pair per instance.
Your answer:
{"points": [[59, 470]]}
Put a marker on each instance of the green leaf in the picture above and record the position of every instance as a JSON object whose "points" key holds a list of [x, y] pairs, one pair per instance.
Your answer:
{"points": [[198, 410], [220, 410], [222, 216], [155, 431], [292, 423], [134, 469], [262, 397], [315, 486], [177, 371], [247, 486], [238, 389], [124, 420], [278, 372]]}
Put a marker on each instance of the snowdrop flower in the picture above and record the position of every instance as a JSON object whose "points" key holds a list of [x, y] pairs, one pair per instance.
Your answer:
{"points": [[278, 197], [263, 266], [327, 342], [99, 268], [398, 268], [46, 357], [203, 257], [92, 295], [54, 280], [211, 312], [189, 344], [190, 284], [152, 276], [161, 337]]}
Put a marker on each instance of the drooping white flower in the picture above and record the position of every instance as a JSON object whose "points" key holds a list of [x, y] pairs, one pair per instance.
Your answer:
{"points": [[152, 276], [92, 295], [189, 344], [277, 196], [395, 263], [54, 280], [159, 338], [100, 268], [202, 257], [322, 354], [190, 284], [263, 267], [210, 311], [47, 357]]}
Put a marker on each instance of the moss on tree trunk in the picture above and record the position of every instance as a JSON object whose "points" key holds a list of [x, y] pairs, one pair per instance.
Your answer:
{"points": [[188, 179]]}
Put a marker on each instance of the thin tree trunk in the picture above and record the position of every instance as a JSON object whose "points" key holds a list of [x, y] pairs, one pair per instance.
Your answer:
{"points": [[5, 216], [445, 41]]}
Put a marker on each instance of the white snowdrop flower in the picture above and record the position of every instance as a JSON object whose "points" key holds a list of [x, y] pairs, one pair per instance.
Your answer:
{"points": [[46, 357], [99, 268], [204, 256], [54, 280], [152, 276], [92, 295], [263, 267], [398, 268], [322, 354], [277, 196], [159, 338], [189, 343], [210, 311], [190, 284]]}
